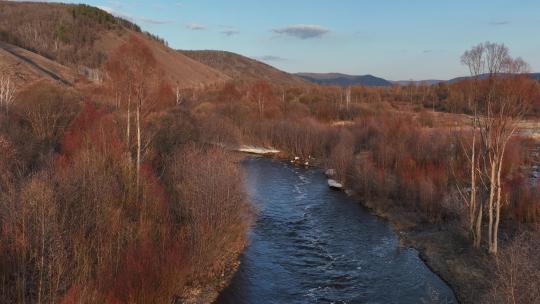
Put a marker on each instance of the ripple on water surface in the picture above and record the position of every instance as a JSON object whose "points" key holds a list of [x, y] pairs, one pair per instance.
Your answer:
{"points": [[314, 245]]}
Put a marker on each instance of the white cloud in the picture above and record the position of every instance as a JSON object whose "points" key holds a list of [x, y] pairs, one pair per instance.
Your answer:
{"points": [[303, 31], [230, 32], [500, 22], [196, 26]]}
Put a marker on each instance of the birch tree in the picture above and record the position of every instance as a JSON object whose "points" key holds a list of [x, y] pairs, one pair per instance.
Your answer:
{"points": [[499, 103], [178, 95], [262, 93], [7, 92], [347, 98], [139, 79], [474, 60]]}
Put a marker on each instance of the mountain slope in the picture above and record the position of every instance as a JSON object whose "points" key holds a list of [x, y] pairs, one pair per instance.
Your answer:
{"points": [[345, 80], [24, 66], [181, 70], [242, 68], [81, 37]]}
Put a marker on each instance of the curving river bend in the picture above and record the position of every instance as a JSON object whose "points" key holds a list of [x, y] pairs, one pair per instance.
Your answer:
{"points": [[314, 245]]}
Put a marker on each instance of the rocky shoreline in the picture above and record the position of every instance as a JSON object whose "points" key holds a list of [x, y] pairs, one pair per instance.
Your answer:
{"points": [[209, 293]]}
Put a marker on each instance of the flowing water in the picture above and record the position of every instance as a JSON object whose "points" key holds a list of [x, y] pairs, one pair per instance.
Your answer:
{"points": [[314, 245]]}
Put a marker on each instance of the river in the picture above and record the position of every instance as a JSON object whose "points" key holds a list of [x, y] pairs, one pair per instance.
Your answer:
{"points": [[310, 244]]}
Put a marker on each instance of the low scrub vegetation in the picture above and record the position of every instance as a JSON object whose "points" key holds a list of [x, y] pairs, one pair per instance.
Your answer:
{"points": [[92, 214]]}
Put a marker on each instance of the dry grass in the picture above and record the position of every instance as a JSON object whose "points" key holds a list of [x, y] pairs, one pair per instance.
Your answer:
{"points": [[25, 67], [242, 68], [22, 22]]}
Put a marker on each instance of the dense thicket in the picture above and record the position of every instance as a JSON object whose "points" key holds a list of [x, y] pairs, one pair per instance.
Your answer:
{"points": [[381, 149], [90, 214]]}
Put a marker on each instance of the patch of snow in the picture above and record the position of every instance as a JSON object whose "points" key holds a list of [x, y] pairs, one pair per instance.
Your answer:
{"points": [[334, 184], [257, 150]]}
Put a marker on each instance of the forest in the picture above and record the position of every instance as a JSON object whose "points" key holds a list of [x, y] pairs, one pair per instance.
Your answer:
{"points": [[129, 190]]}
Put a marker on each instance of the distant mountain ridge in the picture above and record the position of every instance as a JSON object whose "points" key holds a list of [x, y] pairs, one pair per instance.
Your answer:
{"points": [[535, 76], [370, 80], [418, 82], [344, 79]]}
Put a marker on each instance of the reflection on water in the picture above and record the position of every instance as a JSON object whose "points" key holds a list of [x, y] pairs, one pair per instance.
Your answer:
{"points": [[314, 245]]}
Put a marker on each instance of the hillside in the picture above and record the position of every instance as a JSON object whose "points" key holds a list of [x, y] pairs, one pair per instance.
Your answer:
{"points": [[81, 37], [242, 68], [345, 80], [182, 70], [25, 67]]}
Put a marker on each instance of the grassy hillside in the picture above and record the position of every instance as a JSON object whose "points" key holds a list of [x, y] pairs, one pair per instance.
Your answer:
{"points": [[82, 37], [242, 68], [65, 33], [24, 66]]}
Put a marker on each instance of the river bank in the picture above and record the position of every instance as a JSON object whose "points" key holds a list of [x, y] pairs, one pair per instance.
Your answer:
{"points": [[207, 287], [208, 281], [444, 248], [202, 293]]}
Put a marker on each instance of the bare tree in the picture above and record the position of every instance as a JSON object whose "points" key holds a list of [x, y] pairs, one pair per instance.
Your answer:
{"points": [[348, 98], [139, 79], [262, 93], [495, 56], [7, 92], [178, 94], [517, 275], [475, 61], [499, 102]]}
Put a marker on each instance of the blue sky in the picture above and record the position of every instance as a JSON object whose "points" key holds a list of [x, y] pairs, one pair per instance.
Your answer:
{"points": [[394, 39]]}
